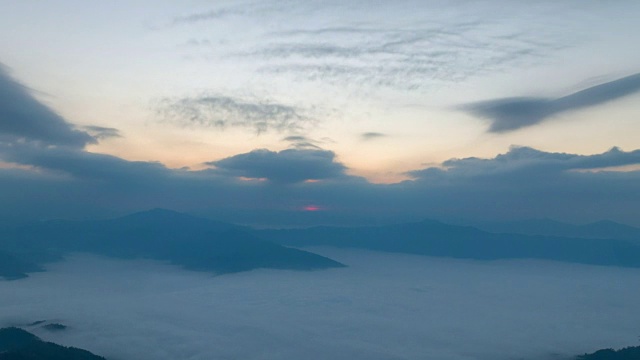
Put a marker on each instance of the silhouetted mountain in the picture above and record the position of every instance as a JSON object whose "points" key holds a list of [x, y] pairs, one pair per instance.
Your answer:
{"points": [[191, 242], [433, 238], [604, 229], [629, 353], [18, 344]]}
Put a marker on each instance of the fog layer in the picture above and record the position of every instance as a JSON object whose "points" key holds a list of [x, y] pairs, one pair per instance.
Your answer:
{"points": [[384, 306]]}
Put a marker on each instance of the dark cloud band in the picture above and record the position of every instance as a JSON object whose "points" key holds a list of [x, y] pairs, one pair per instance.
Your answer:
{"points": [[510, 114], [24, 118]]}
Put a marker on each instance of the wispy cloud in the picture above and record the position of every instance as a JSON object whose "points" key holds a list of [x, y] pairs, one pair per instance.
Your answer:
{"points": [[223, 12], [406, 58], [302, 142], [371, 135], [510, 114], [410, 45], [100, 132], [207, 15], [224, 111]]}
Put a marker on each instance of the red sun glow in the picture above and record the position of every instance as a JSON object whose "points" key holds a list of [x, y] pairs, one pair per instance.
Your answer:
{"points": [[311, 208]]}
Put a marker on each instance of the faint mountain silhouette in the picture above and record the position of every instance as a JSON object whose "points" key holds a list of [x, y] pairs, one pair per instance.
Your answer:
{"points": [[434, 238]]}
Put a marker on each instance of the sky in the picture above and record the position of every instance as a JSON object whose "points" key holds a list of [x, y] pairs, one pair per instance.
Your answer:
{"points": [[383, 306], [288, 113]]}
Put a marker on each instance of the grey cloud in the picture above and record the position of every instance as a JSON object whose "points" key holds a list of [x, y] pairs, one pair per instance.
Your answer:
{"points": [[22, 117], [409, 58], [295, 138], [100, 132], [224, 12], [530, 162], [86, 166], [510, 114], [523, 183], [148, 310], [287, 166], [302, 142], [528, 183], [209, 15], [223, 111], [371, 135]]}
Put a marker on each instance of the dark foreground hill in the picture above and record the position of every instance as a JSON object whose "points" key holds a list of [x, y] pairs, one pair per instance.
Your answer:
{"points": [[191, 242], [18, 344], [629, 353], [434, 238]]}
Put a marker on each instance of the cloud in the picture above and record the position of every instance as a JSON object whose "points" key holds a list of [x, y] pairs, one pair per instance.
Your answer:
{"points": [[371, 135], [224, 12], [414, 55], [383, 306], [522, 183], [23, 118], [207, 15], [40, 168], [510, 114], [100, 132], [83, 165], [224, 111], [528, 183], [285, 167], [302, 142], [531, 161]]}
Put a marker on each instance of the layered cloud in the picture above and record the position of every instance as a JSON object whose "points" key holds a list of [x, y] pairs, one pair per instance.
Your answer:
{"points": [[409, 59], [510, 114], [371, 135], [101, 132], [406, 45], [225, 111], [24, 118], [383, 306], [50, 174], [286, 166], [302, 142]]}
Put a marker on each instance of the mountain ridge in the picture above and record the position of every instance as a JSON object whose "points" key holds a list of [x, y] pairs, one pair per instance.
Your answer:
{"points": [[434, 238], [191, 242]]}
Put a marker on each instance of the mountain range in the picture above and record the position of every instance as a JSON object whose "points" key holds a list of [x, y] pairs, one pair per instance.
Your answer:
{"points": [[433, 238], [604, 229], [207, 245], [191, 242]]}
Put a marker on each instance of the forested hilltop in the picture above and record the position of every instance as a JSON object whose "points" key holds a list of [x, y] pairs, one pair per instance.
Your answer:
{"points": [[18, 344]]}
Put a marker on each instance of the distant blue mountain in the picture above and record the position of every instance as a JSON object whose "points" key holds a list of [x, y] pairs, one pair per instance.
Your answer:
{"points": [[604, 229], [194, 243], [434, 238]]}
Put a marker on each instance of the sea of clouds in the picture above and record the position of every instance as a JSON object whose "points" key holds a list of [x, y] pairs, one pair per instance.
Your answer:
{"points": [[383, 306]]}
